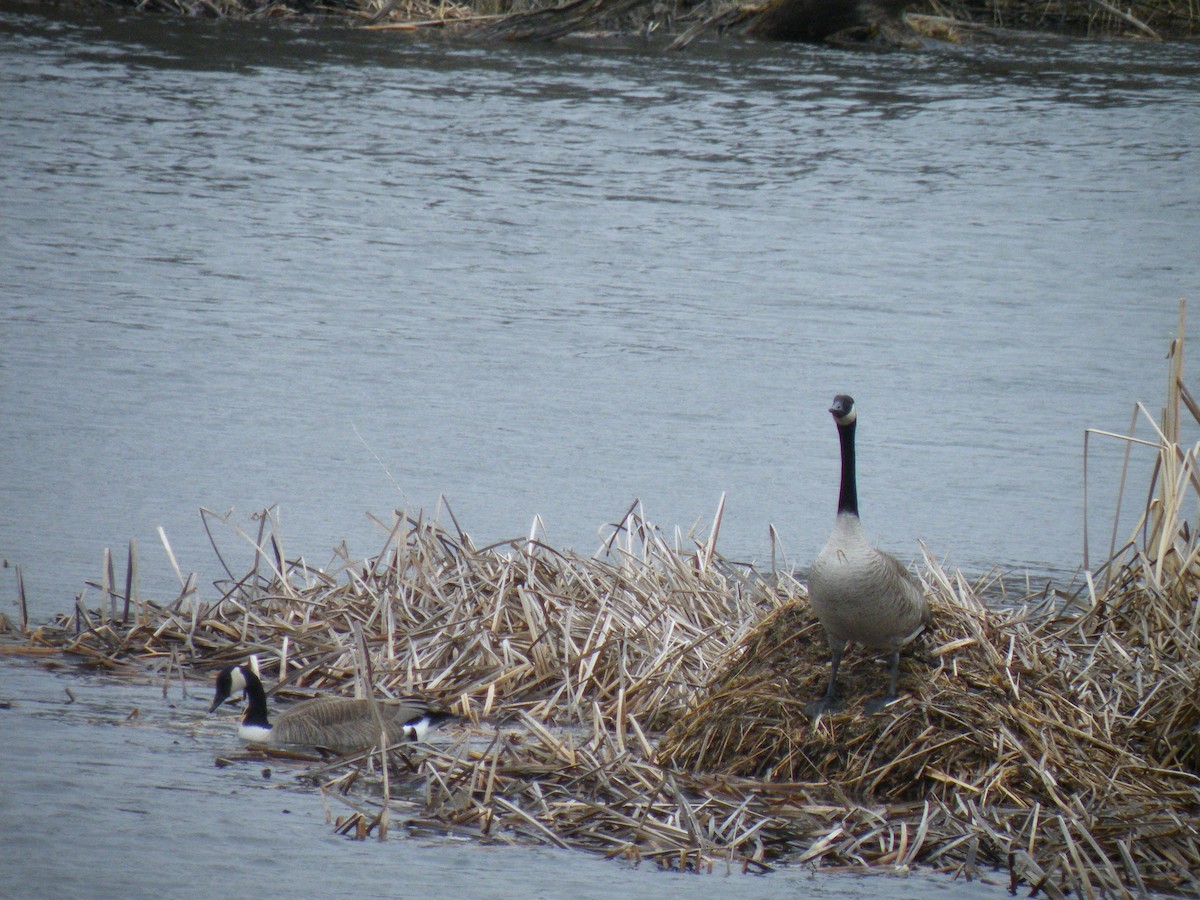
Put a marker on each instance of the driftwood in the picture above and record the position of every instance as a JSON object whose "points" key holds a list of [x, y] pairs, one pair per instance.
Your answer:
{"points": [[819, 20], [557, 21], [718, 22], [1128, 18]]}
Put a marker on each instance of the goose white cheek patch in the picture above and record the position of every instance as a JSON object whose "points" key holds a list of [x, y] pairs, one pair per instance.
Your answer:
{"points": [[416, 729]]}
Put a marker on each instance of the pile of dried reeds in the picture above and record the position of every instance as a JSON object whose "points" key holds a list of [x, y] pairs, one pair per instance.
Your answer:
{"points": [[1155, 19], [1012, 737], [359, 11], [1053, 741], [518, 626], [547, 20]]}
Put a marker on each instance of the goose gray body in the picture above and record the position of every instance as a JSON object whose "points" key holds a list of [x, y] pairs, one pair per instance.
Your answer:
{"points": [[862, 594], [859, 593], [337, 724], [347, 726]]}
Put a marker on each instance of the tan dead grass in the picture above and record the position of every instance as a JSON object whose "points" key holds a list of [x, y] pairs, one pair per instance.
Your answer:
{"points": [[543, 20]]}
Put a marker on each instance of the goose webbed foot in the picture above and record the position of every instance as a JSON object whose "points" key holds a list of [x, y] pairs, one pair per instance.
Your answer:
{"points": [[830, 703], [824, 706], [878, 704]]}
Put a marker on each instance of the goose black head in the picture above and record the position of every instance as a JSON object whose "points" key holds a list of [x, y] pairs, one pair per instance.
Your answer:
{"points": [[843, 410], [230, 681]]}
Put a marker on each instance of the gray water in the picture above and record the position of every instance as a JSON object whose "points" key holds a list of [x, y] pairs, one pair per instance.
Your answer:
{"points": [[342, 273], [110, 791]]}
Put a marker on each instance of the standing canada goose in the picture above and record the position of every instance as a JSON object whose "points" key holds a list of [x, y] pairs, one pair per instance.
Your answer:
{"points": [[338, 724], [859, 593]]}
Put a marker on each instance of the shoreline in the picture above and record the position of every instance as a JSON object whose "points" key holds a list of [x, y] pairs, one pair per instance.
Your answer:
{"points": [[846, 23]]}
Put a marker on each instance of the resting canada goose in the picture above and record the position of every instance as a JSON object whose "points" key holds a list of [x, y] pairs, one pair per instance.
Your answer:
{"points": [[859, 593], [338, 724]]}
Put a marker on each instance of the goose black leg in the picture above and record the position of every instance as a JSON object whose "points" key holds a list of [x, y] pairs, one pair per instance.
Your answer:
{"points": [[880, 703], [830, 702]]}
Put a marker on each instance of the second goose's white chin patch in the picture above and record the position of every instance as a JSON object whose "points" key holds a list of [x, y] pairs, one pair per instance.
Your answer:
{"points": [[417, 728], [254, 734], [849, 417]]}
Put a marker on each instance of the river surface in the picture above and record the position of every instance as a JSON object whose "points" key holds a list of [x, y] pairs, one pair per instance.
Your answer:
{"points": [[342, 273], [108, 789]]}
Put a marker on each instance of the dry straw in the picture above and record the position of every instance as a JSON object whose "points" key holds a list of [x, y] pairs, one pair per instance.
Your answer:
{"points": [[543, 20], [647, 702]]}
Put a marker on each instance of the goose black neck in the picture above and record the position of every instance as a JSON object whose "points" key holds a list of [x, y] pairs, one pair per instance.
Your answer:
{"points": [[848, 498], [256, 703]]}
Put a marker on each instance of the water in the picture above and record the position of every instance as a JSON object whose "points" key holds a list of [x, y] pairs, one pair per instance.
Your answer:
{"points": [[342, 273], [132, 806]]}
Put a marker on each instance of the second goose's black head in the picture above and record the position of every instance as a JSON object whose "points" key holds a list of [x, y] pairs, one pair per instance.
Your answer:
{"points": [[843, 409], [231, 680]]}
